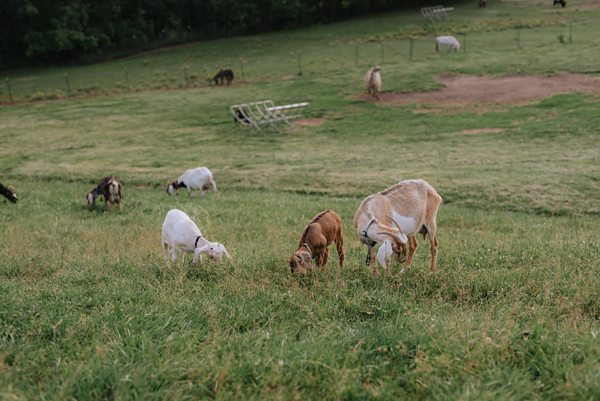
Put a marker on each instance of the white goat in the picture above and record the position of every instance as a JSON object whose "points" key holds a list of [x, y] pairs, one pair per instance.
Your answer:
{"points": [[181, 234], [411, 206], [199, 178], [447, 41], [372, 81]]}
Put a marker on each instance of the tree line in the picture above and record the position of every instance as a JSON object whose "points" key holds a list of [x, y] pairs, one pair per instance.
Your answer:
{"points": [[67, 31]]}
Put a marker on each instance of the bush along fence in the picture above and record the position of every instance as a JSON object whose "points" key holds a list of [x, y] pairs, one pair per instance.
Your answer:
{"points": [[141, 74]]}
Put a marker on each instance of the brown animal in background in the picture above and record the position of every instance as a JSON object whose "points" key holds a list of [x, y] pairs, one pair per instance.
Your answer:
{"points": [[224, 74], [323, 229], [372, 81], [110, 189]]}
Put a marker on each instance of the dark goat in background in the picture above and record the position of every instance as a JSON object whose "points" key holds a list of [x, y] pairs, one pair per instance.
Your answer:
{"points": [[224, 74], [8, 194]]}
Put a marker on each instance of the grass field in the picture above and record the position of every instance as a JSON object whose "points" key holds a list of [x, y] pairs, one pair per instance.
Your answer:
{"points": [[90, 311]]}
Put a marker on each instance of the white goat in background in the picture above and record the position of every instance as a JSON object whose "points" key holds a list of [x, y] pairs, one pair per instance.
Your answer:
{"points": [[181, 235], [447, 41], [200, 178]]}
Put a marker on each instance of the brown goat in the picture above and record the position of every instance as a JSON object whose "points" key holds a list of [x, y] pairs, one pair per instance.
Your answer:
{"points": [[110, 189], [323, 229]]}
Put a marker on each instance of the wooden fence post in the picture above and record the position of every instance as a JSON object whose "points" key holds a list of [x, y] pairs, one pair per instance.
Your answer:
{"points": [[10, 96]]}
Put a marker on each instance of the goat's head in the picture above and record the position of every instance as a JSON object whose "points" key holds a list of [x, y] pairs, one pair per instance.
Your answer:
{"points": [[391, 248], [376, 68], [300, 261], [214, 250], [172, 188]]}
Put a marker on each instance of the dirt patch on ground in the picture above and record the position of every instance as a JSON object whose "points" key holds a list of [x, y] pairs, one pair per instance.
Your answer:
{"points": [[310, 122], [593, 5], [462, 90]]}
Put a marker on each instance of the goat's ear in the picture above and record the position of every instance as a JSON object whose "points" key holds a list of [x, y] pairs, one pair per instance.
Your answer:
{"points": [[384, 253], [226, 253]]}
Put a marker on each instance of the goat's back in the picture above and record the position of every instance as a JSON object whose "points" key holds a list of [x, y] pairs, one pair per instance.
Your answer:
{"points": [[409, 198], [178, 226], [328, 223]]}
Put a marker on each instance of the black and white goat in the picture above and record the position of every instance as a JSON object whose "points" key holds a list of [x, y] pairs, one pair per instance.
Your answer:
{"points": [[8, 194], [199, 179]]}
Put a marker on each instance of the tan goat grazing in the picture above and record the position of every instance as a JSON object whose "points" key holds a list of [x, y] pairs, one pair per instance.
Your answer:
{"points": [[393, 217], [323, 229], [372, 81]]}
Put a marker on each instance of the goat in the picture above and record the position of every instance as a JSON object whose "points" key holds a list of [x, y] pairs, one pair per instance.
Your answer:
{"points": [[8, 194], [321, 231], [224, 74], [110, 189], [482, 3], [199, 178], [562, 3], [447, 41], [411, 206], [181, 235], [372, 81]]}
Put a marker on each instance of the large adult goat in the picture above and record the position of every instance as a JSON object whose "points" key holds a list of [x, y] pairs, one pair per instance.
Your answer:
{"points": [[393, 217]]}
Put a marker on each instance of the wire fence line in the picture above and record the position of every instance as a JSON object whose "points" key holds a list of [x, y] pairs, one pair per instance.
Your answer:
{"points": [[249, 68]]}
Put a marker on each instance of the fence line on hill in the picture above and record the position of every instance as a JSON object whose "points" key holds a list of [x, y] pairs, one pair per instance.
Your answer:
{"points": [[260, 67]]}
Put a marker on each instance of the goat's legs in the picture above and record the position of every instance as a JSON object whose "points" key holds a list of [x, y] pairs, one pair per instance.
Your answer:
{"points": [[433, 245], [339, 245], [412, 249], [173, 255], [324, 256]]}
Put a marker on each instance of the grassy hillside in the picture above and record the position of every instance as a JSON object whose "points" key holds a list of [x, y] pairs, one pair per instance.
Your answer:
{"points": [[91, 311]]}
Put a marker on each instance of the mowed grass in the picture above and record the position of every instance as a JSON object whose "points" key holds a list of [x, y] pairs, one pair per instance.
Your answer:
{"points": [[91, 311]]}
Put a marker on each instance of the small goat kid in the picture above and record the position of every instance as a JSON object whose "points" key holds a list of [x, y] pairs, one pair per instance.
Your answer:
{"points": [[8, 194], [411, 206], [110, 189], [447, 41], [321, 231], [181, 235], [372, 81], [200, 179]]}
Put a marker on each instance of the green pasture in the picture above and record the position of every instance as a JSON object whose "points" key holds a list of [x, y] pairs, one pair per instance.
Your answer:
{"points": [[90, 311]]}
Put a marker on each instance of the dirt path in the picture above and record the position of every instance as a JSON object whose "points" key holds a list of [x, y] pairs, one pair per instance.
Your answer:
{"points": [[461, 90]]}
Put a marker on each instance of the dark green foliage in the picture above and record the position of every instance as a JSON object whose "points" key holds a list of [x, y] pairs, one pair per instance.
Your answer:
{"points": [[58, 31]]}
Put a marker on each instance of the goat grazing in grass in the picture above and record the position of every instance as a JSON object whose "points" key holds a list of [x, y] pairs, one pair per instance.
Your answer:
{"points": [[181, 235], [321, 231], [562, 3], [224, 74], [200, 179], [411, 206], [8, 194], [110, 189], [372, 81], [447, 41]]}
